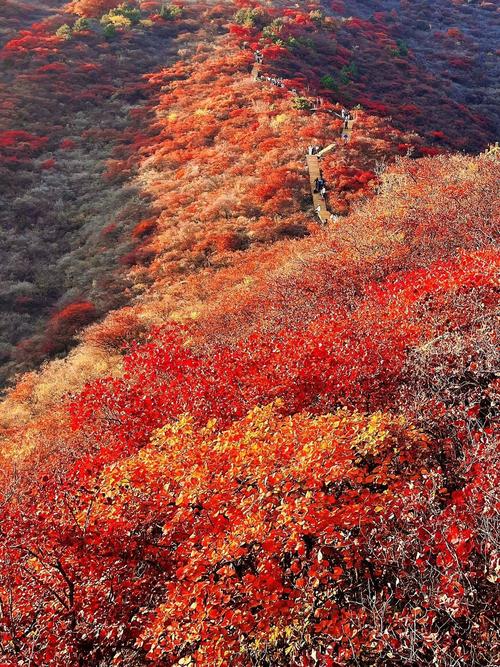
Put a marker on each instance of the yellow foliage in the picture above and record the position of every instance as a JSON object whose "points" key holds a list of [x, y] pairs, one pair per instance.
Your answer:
{"points": [[119, 21], [278, 120]]}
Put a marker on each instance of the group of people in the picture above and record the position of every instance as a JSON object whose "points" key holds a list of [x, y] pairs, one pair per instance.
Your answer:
{"points": [[319, 183], [275, 80], [313, 150], [346, 117], [320, 186], [333, 217]]}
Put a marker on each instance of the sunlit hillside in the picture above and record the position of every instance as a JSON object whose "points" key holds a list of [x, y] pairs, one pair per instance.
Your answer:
{"points": [[248, 306]]}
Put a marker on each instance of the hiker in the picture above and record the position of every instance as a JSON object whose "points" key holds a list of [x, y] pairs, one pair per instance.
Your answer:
{"points": [[310, 150], [316, 184], [318, 211], [323, 192], [343, 113], [345, 137]]}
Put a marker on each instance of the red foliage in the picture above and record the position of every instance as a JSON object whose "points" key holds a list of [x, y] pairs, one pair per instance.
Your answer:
{"points": [[304, 475], [21, 140], [259, 521], [143, 228], [273, 52], [65, 323], [67, 144], [48, 164], [355, 361]]}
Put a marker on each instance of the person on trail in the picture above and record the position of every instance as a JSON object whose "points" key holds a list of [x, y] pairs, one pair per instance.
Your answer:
{"points": [[318, 213], [317, 185], [323, 192], [343, 113], [345, 137], [309, 150]]}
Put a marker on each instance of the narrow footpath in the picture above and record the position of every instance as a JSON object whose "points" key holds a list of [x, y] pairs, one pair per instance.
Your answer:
{"points": [[313, 158]]}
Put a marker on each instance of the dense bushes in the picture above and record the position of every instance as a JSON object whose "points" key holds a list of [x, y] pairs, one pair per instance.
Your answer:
{"points": [[236, 531], [58, 198], [282, 451], [67, 181]]}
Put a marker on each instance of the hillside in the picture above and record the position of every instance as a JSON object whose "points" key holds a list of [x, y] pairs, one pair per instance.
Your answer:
{"points": [[78, 94], [232, 435]]}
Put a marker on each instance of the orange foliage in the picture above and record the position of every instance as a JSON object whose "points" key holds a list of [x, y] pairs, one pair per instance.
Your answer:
{"points": [[93, 8], [283, 451]]}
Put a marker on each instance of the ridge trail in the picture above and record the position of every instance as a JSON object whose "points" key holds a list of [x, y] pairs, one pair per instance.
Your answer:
{"points": [[320, 203]]}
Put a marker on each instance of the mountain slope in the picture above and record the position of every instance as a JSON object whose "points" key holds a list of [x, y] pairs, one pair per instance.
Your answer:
{"points": [[279, 446]]}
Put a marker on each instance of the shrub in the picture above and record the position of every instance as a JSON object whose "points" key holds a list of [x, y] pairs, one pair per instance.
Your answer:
{"points": [[80, 25], [250, 17], [170, 12], [64, 32], [301, 103], [327, 81]]}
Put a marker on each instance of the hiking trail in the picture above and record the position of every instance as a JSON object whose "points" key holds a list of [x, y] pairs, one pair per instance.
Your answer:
{"points": [[313, 163]]}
